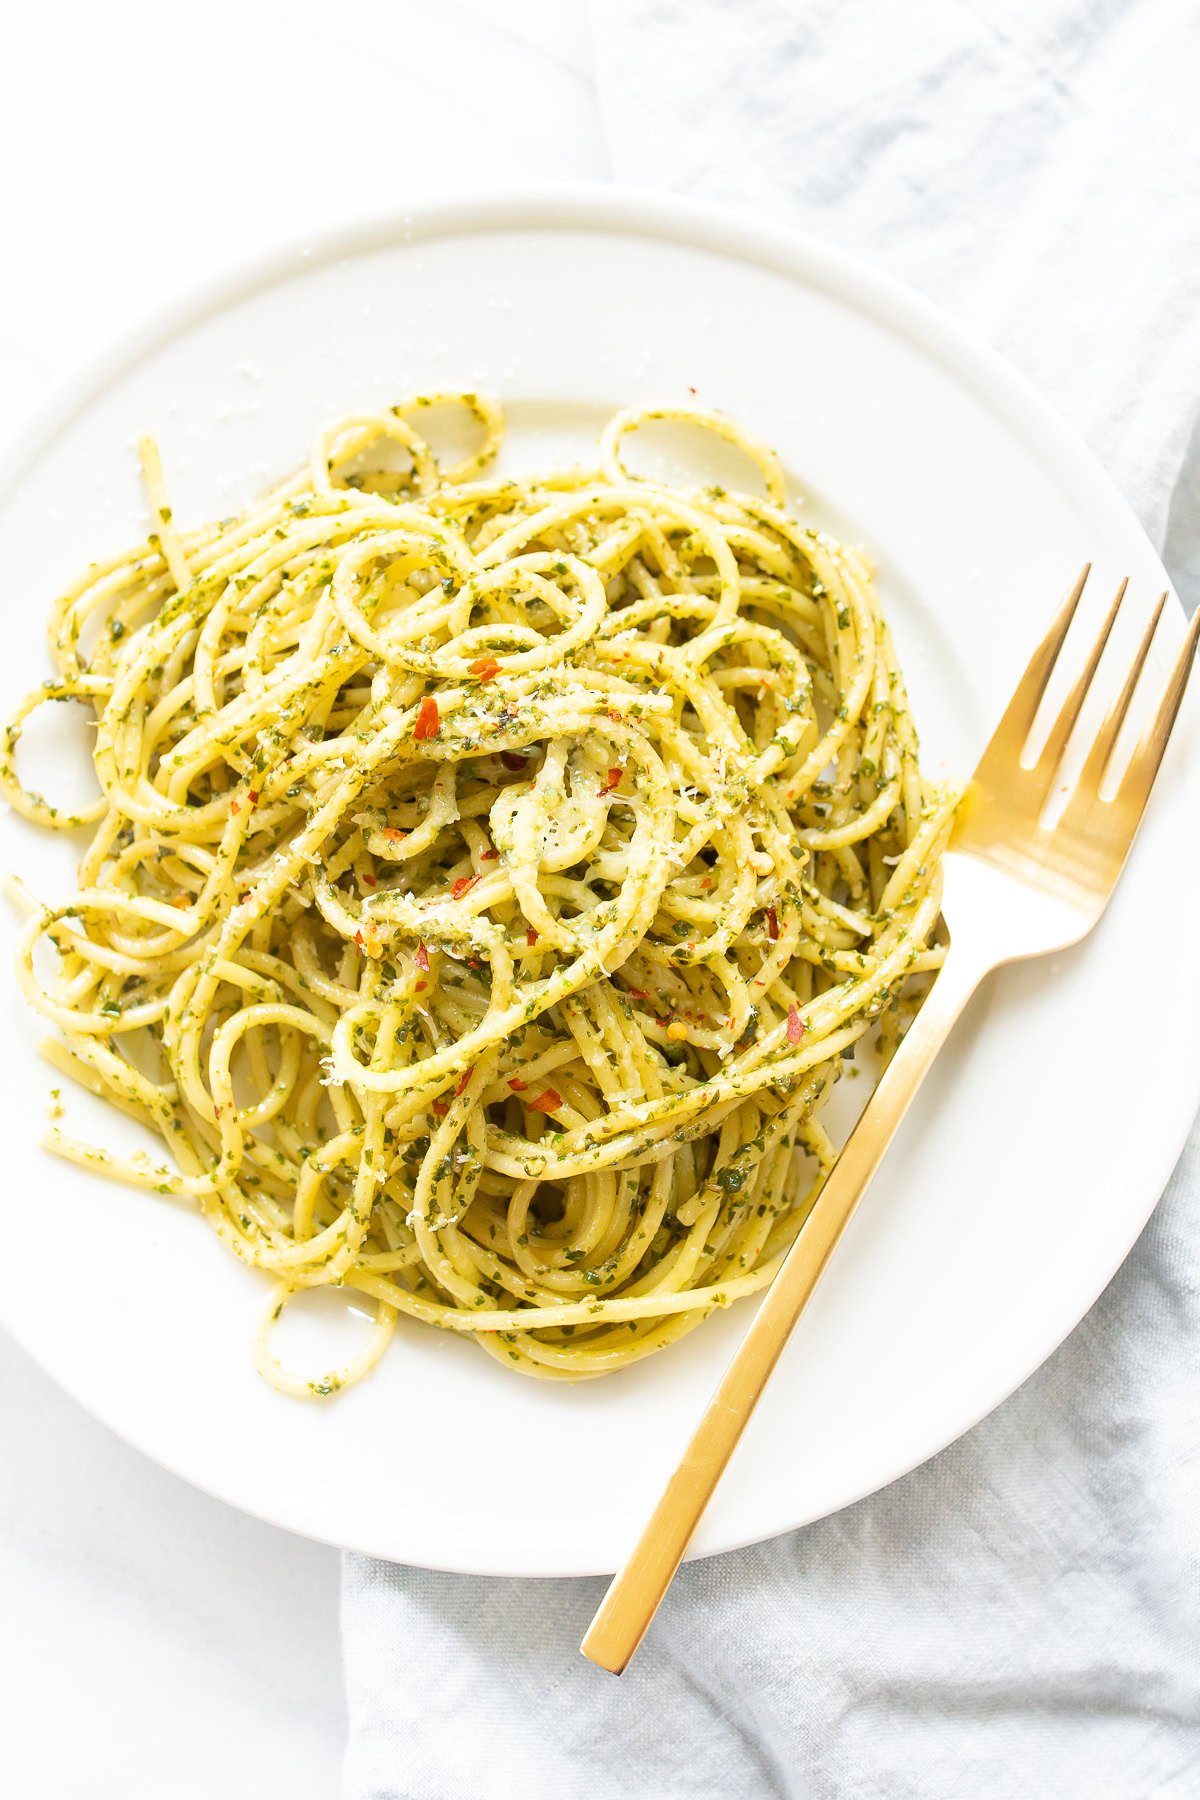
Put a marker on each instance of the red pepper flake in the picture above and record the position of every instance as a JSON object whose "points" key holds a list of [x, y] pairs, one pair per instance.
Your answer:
{"points": [[548, 1102], [611, 781], [490, 856], [485, 667], [421, 956], [234, 807], [441, 1108], [252, 796], [512, 761], [429, 719], [637, 993], [531, 937], [394, 832], [369, 879], [517, 1085], [795, 1026], [613, 715], [772, 922], [691, 390], [464, 1081], [358, 938], [463, 885], [707, 882], [419, 987]]}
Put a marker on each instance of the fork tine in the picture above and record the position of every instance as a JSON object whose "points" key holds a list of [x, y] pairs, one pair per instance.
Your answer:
{"points": [[1008, 739], [1134, 790], [1098, 757], [1051, 752]]}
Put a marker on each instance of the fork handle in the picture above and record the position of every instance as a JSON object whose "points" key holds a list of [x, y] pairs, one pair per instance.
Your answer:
{"points": [[636, 1591]]}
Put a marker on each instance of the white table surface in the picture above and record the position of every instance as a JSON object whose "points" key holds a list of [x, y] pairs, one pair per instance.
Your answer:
{"points": [[155, 1642]]}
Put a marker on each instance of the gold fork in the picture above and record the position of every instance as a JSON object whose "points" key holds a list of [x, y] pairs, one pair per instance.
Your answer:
{"points": [[1014, 887]]}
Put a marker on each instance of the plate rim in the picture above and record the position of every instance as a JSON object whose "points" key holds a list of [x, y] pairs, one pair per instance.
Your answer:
{"points": [[592, 207]]}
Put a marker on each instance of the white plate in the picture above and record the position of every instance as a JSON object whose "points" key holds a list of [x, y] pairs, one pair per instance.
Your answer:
{"points": [[1027, 1167]]}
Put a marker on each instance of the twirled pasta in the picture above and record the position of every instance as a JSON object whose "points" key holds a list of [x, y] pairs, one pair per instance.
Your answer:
{"points": [[487, 883]]}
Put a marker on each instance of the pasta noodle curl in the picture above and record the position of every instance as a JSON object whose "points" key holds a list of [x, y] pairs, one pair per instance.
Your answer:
{"points": [[489, 880]]}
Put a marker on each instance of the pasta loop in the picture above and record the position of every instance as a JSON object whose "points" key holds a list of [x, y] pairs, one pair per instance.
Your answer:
{"points": [[490, 882]]}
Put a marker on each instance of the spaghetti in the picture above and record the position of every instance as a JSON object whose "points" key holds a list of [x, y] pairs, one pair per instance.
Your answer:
{"points": [[489, 880]]}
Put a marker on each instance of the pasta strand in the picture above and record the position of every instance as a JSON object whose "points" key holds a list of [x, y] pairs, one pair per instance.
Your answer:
{"points": [[489, 881]]}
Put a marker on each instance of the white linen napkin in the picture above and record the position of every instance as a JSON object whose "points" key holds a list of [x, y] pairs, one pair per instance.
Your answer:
{"points": [[1019, 1619]]}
